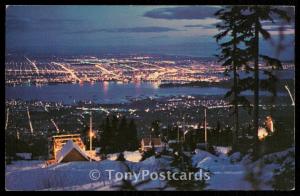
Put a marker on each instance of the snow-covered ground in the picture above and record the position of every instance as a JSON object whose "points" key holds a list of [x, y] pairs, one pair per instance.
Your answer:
{"points": [[134, 156], [222, 149], [231, 172], [34, 175], [227, 172], [113, 156], [61, 175], [264, 168], [225, 175]]}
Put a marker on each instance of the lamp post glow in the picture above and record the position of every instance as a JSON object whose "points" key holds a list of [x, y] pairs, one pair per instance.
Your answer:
{"points": [[7, 114], [91, 131], [205, 129], [287, 88], [184, 118], [184, 135]]}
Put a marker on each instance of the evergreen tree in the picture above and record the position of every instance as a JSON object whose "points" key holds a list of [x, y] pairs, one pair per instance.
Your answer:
{"points": [[122, 137], [182, 163], [234, 54], [113, 136], [118, 135], [84, 134], [253, 24], [107, 136], [155, 128], [132, 133], [243, 25]]}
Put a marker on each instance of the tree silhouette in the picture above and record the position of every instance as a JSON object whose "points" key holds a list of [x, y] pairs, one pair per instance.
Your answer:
{"points": [[254, 16], [132, 133], [106, 141], [118, 135], [234, 54], [155, 128], [122, 137], [243, 26], [183, 164]]}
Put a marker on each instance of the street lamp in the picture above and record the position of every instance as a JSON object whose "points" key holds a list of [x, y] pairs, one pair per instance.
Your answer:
{"points": [[177, 126], [287, 88], [91, 134], [184, 119], [205, 125], [205, 128], [185, 134]]}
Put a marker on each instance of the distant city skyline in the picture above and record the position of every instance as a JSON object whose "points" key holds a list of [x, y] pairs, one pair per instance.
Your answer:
{"points": [[177, 30]]}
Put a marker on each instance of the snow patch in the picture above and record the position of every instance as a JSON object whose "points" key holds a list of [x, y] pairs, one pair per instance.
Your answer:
{"points": [[113, 156], [235, 157], [132, 156], [222, 149]]}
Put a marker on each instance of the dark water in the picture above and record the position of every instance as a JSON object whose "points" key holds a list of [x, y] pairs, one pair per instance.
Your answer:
{"points": [[107, 92]]}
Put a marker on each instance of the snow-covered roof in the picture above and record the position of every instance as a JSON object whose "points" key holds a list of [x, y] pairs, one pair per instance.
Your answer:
{"points": [[67, 148]]}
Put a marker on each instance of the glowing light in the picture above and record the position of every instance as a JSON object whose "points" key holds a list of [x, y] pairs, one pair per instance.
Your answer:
{"points": [[105, 86], [269, 123], [287, 88], [81, 83], [262, 133], [118, 77], [155, 85], [92, 134], [70, 71], [33, 64], [137, 83]]}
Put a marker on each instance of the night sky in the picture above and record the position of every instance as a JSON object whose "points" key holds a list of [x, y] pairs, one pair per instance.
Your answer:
{"points": [[179, 30]]}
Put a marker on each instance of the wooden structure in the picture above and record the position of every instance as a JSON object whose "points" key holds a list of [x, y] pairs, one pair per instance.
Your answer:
{"points": [[59, 141], [148, 143], [71, 152], [269, 124]]}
